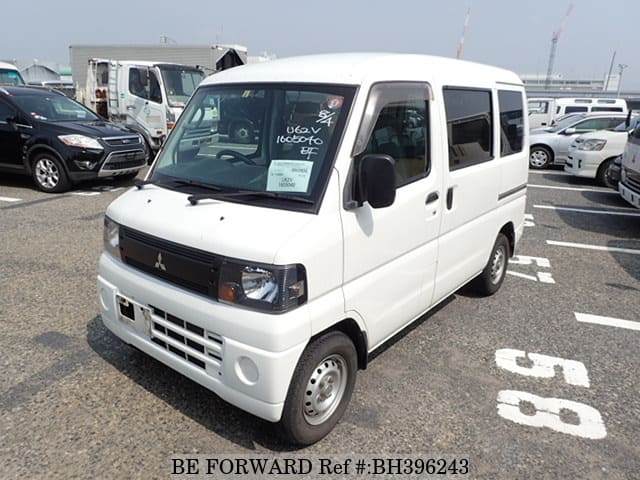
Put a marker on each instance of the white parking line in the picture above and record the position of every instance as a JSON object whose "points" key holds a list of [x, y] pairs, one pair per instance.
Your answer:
{"points": [[625, 213], [10, 199], [607, 321], [574, 189], [594, 247], [85, 194], [522, 275], [552, 172]]}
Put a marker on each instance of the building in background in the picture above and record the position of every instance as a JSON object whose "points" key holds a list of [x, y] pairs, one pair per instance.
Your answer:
{"points": [[536, 83]]}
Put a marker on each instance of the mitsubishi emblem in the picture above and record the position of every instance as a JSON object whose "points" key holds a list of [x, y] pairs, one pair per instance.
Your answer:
{"points": [[159, 265]]}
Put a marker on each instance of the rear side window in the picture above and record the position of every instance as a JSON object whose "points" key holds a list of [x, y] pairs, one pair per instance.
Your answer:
{"points": [[606, 109], [511, 122], [574, 109], [469, 126]]}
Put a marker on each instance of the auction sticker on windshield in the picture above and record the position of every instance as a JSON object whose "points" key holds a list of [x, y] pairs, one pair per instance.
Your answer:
{"points": [[289, 176]]}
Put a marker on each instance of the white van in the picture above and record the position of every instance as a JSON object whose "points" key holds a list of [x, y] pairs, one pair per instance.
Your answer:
{"points": [[545, 111], [373, 187]]}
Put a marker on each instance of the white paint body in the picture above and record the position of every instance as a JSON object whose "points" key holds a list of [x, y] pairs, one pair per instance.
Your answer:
{"points": [[383, 268]]}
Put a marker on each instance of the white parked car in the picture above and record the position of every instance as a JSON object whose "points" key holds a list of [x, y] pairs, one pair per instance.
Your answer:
{"points": [[590, 155], [551, 145]]}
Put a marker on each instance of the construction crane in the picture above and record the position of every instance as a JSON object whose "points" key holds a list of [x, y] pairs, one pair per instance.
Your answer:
{"points": [[464, 33], [554, 46]]}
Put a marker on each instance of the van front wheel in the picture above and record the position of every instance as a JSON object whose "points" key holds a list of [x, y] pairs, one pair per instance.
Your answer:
{"points": [[320, 389], [491, 278]]}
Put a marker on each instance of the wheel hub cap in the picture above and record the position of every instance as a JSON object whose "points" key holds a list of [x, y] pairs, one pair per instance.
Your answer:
{"points": [[47, 173], [325, 389], [497, 265]]}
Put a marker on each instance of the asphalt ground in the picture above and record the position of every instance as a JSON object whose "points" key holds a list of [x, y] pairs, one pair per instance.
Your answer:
{"points": [[75, 402]]}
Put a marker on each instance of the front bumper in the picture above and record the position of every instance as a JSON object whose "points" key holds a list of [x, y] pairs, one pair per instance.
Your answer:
{"points": [[629, 195], [247, 358], [583, 163]]}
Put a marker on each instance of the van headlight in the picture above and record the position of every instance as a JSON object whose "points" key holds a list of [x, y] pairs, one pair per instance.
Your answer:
{"points": [[592, 145], [111, 236], [269, 288]]}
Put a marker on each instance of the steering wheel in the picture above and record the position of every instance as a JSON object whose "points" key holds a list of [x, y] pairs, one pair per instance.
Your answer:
{"points": [[236, 155]]}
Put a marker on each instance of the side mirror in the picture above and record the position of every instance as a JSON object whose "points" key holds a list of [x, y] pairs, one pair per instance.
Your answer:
{"points": [[376, 179], [569, 131]]}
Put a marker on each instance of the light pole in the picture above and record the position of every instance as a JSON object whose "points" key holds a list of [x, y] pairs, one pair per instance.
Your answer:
{"points": [[621, 67]]}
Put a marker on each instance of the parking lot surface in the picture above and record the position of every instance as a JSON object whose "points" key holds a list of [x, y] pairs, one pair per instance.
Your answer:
{"points": [[539, 381]]}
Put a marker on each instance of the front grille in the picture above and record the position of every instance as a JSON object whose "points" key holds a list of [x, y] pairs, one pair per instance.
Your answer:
{"points": [[188, 341], [192, 269], [119, 141], [632, 180], [122, 160]]}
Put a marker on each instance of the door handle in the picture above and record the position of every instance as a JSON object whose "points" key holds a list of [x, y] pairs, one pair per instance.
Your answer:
{"points": [[432, 197], [449, 198], [130, 107]]}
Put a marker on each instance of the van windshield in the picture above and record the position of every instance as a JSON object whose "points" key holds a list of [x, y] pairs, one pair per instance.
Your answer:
{"points": [[180, 83], [275, 141]]}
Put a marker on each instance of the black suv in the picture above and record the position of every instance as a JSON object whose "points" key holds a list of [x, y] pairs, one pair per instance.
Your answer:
{"points": [[59, 142]]}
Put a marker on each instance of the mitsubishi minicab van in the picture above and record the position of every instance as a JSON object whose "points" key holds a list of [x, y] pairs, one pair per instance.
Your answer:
{"points": [[268, 268]]}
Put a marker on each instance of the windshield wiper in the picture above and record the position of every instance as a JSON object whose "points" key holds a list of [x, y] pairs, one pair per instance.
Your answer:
{"points": [[194, 199], [194, 183], [141, 183]]}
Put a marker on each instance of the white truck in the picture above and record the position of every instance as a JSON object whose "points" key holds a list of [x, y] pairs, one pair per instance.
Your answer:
{"points": [[148, 97], [629, 185], [10, 75]]}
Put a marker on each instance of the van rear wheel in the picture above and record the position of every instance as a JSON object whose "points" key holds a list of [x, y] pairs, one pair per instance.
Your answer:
{"points": [[320, 389], [491, 278]]}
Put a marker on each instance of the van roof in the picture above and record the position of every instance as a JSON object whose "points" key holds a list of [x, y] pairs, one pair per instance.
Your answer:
{"points": [[356, 68]]}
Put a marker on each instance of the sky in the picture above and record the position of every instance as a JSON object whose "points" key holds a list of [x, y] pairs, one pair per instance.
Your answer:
{"points": [[512, 34]]}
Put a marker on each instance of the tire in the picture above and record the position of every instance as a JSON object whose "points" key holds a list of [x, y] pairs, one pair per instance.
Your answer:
{"points": [[328, 365], [540, 157], [601, 175], [49, 174], [491, 278], [242, 132]]}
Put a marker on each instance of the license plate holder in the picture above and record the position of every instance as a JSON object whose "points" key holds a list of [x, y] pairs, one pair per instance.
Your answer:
{"points": [[135, 314]]}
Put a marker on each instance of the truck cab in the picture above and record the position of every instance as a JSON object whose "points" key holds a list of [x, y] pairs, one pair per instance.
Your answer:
{"points": [[147, 97], [10, 75]]}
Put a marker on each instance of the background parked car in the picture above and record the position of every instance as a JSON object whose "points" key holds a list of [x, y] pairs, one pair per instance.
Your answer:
{"points": [[591, 154], [551, 145], [57, 141]]}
